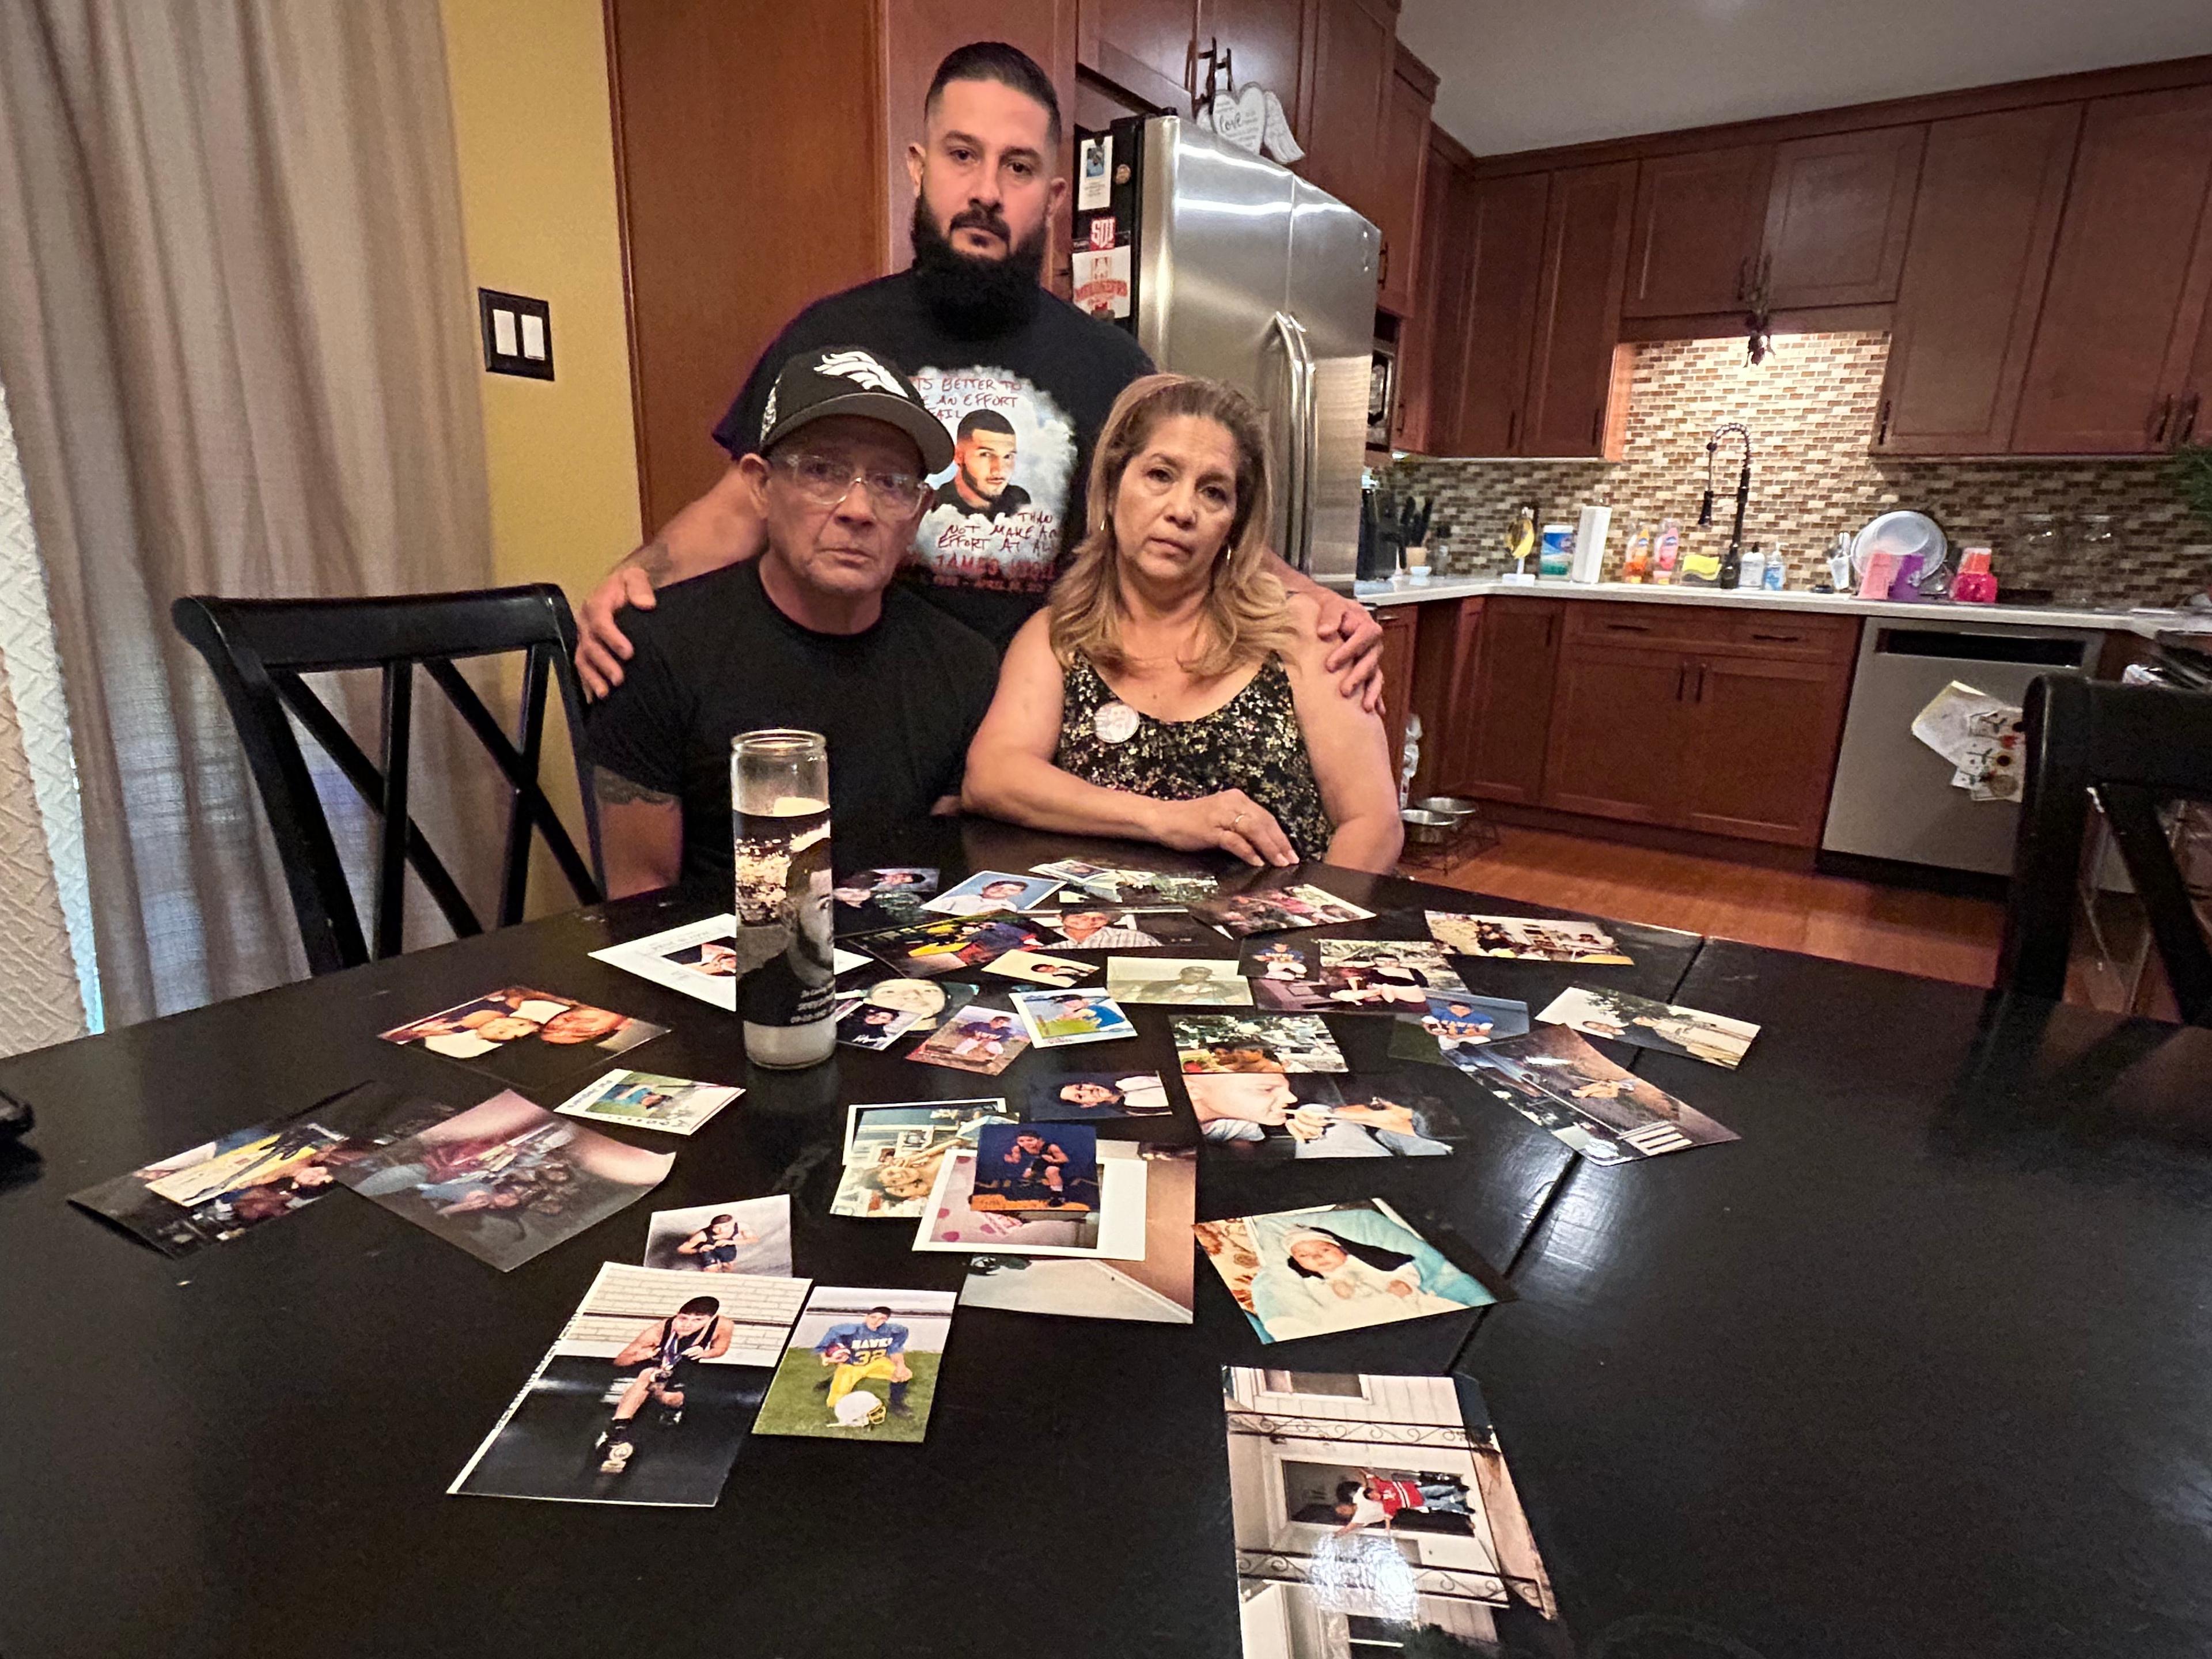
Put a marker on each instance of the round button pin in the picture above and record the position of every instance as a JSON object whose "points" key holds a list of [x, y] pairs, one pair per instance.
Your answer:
{"points": [[1115, 722]]}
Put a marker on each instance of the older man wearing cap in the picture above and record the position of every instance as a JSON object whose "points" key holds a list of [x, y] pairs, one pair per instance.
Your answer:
{"points": [[810, 634]]}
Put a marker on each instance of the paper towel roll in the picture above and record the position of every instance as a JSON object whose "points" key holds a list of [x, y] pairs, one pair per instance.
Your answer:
{"points": [[1589, 544]]}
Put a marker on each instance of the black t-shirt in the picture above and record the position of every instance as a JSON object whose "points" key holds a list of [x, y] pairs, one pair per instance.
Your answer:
{"points": [[715, 658], [1053, 374]]}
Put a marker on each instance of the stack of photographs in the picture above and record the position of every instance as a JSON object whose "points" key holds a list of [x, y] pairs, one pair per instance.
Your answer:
{"points": [[645, 1100], [949, 945], [527, 1039], [216, 1191], [1254, 1043], [893, 1153], [1527, 938], [1351, 976], [1275, 1116], [862, 1364], [699, 958], [1335, 1267], [746, 1236], [645, 1396], [1276, 908], [1185, 981], [1117, 885], [1373, 1513], [1038, 1189], [1662, 1027], [1111, 927], [1155, 1288], [1087, 1096], [1562, 1085]]}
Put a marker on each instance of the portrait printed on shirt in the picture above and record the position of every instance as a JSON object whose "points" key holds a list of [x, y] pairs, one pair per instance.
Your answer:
{"points": [[996, 517]]}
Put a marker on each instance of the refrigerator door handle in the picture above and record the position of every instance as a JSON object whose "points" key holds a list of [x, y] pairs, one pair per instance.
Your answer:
{"points": [[1298, 481]]}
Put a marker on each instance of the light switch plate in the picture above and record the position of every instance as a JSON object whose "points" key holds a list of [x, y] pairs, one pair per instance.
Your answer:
{"points": [[518, 334]]}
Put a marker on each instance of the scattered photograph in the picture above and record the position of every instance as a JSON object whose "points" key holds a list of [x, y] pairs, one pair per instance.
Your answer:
{"points": [[212, 1192], [1030, 1166], [862, 1364], [1254, 1043], [1408, 967], [1057, 1019], [1335, 1267], [990, 891], [982, 1040], [1186, 980], [893, 1151], [1114, 1228], [931, 950], [1562, 1085], [699, 959], [1374, 1507], [1084, 1096], [1463, 1018], [527, 1039], [1275, 909], [643, 1100], [929, 1000], [506, 1180], [1117, 885], [1660, 1026], [1280, 959], [1268, 1114], [1040, 969], [862, 1023], [1526, 939], [645, 1396], [1349, 976], [1109, 929], [893, 886], [745, 1235], [1157, 1289]]}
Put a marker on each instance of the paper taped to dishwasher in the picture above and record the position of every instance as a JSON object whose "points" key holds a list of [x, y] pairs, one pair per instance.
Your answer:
{"points": [[1979, 735]]}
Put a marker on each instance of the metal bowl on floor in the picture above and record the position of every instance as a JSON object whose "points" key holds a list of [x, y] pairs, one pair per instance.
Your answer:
{"points": [[1452, 807], [1425, 829]]}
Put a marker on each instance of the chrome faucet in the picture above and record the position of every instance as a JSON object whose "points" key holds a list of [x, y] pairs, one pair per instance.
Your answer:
{"points": [[1732, 561]]}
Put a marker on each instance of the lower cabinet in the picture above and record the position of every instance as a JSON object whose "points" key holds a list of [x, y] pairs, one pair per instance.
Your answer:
{"points": [[1497, 739], [1762, 749], [1400, 624], [1620, 724]]}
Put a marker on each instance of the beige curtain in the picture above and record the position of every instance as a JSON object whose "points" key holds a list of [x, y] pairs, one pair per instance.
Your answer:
{"points": [[237, 335]]}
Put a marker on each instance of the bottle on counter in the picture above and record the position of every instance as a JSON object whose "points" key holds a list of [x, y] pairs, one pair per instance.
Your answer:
{"points": [[1974, 584], [1558, 557], [1665, 551], [1636, 563], [1777, 573], [1751, 568]]}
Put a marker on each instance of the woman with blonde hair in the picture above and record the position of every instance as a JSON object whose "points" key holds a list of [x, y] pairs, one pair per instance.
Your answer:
{"points": [[1172, 691]]}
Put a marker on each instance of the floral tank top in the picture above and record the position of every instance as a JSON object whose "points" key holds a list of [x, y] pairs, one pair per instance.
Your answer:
{"points": [[1251, 742]]}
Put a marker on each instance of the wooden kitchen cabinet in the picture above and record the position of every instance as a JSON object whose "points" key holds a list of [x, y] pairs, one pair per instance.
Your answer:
{"points": [[1500, 223], [1433, 347], [1141, 45], [1620, 724], [1983, 223], [1413, 94], [1570, 371], [1401, 632], [1266, 43], [1497, 746], [1836, 215], [1759, 752], [1344, 96], [1696, 233], [2126, 297]]}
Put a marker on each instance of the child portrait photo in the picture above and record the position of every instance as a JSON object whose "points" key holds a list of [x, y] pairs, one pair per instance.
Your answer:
{"points": [[747, 1235], [645, 1100], [1055, 1019], [862, 1364], [1036, 1166]]}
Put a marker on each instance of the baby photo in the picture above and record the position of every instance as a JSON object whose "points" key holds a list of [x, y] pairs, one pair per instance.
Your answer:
{"points": [[748, 1235], [1254, 1043], [1109, 929], [1336, 1268], [527, 1038], [989, 891], [1276, 908], [976, 1039], [1056, 1018], [1526, 939], [1189, 981], [930, 949], [1084, 1096], [1028, 1166], [1268, 1114], [1041, 970], [642, 1100], [1662, 1026], [1563, 1085]]}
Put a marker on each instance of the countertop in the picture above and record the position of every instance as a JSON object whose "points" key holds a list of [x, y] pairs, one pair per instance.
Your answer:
{"points": [[2148, 623]]}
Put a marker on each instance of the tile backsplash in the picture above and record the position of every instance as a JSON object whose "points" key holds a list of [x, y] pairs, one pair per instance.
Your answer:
{"points": [[1810, 407]]}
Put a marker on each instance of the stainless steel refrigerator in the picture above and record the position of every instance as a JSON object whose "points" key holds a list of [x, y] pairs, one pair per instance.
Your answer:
{"points": [[1225, 265]]}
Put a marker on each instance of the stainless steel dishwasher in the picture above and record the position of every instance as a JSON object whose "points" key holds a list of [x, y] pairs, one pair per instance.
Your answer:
{"points": [[1892, 797]]}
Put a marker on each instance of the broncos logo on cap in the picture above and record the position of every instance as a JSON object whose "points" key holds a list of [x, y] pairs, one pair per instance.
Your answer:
{"points": [[859, 366]]}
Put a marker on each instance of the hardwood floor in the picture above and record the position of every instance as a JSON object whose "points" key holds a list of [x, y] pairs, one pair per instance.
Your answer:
{"points": [[1914, 933]]}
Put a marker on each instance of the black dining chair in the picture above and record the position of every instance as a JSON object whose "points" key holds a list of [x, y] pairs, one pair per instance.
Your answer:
{"points": [[2136, 746], [259, 650]]}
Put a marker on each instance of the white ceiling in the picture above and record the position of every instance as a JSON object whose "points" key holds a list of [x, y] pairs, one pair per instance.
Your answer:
{"points": [[1529, 74]]}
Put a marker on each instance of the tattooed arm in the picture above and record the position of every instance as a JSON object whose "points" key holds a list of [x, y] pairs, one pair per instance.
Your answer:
{"points": [[723, 526], [640, 833]]}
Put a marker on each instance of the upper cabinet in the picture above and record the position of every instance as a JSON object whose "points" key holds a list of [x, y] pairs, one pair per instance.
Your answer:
{"points": [[1353, 61], [2110, 366], [1991, 189], [1698, 219], [1837, 214], [1500, 223], [1405, 166], [1265, 42], [1429, 377], [1570, 374], [1142, 46]]}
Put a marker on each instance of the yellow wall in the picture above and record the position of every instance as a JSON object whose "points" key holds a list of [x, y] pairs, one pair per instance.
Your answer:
{"points": [[534, 132]]}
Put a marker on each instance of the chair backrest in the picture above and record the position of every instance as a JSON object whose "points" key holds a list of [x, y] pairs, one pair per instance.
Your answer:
{"points": [[2136, 746], [260, 648]]}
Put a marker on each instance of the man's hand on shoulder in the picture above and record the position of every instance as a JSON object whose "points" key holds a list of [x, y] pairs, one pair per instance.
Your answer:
{"points": [[1356, 647], [601, 645]]}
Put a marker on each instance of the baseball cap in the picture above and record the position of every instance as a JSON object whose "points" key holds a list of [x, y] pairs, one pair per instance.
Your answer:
{"points": [[851, 381]]}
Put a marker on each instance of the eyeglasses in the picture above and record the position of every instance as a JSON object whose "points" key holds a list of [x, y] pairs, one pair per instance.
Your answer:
{"points": [[825, 483]]}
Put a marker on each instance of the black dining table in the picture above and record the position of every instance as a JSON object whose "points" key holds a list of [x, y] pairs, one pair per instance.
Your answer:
{"points": [[1920, 1366]]}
